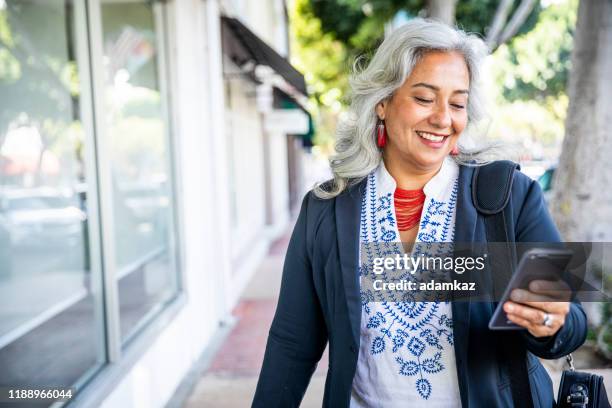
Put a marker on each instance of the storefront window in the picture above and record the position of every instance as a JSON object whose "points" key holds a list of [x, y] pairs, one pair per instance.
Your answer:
{"points": [[51, 329], [138, 132]]}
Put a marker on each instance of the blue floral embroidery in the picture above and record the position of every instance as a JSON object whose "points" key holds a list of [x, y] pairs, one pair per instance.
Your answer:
{"points": [[407, 367], [423, 387], [428, 365], [376, 320], [416, 331], [378, 345], [388, 235], [431, 338], [416, 346], [399, 339]]}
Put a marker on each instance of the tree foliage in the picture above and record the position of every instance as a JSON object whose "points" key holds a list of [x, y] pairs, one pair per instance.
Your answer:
{"points": [[329, 34], [359, 24], [322, 58], [36, 74], [536, 66], [529, 72]]}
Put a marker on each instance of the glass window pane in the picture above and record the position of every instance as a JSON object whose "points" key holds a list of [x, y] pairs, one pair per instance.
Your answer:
{"points": [[50, 312], [142, 181]]}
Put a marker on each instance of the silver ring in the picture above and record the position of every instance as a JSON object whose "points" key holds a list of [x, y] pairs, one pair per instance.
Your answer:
{"points": [[548, 320]]}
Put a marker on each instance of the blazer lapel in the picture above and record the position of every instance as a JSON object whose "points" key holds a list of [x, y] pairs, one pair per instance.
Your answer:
{"points": [[348, 212], [465, 226]]}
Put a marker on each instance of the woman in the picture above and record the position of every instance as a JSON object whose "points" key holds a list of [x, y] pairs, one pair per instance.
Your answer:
{"points": [[401, 173]]}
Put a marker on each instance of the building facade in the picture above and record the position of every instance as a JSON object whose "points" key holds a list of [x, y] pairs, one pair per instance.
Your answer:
{"points": [[149, 155]]}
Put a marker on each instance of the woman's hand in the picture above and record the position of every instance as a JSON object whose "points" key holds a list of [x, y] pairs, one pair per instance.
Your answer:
{"points": [[541, 309]]}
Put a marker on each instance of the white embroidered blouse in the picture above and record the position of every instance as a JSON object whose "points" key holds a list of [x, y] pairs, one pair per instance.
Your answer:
{"points": [[406, 355]]}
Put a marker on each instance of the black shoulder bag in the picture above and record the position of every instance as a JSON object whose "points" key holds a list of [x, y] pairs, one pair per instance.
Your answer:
{"points": [[491, 186], [579, 389]]}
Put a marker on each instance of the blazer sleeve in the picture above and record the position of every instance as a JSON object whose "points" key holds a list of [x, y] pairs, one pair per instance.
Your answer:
{"points": [[536, 225], [298, 334]]}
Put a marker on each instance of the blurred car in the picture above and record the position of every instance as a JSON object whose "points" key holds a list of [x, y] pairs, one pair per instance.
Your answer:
{"points": [[6, 266], [546, 182], [41, 217], [534, 168]]}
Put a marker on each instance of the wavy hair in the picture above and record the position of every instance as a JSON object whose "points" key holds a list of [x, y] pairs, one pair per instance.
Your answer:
{"points": [[356, 151]]}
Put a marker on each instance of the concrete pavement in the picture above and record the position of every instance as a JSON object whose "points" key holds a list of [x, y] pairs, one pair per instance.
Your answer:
{"points": [[231, 378]]}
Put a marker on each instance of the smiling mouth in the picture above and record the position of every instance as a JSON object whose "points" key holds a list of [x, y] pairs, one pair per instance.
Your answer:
{"points": [[434, 137]]}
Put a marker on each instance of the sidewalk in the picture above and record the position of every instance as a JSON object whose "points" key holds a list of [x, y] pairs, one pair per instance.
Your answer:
{"points": [[231, 378]]}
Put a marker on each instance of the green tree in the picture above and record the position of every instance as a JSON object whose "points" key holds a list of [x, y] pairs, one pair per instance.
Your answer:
{"points": [[39, 83], [324, 60], [528, 85], [328, 35], [536, 65], [360, 24], [38, 73]]}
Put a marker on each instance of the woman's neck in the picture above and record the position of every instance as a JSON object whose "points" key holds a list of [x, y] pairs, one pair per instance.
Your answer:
{"points": [[408, 176]]}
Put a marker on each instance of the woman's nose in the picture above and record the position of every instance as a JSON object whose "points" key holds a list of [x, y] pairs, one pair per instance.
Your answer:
{"points": [[441, 117]]}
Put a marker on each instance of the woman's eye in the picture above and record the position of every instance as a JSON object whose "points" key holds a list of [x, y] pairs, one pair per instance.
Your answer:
{"points": [[456, 105], [423, 100]]}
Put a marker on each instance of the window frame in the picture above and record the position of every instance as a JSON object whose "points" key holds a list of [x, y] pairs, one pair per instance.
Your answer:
{"points": [[115, 357], [115, 345]]}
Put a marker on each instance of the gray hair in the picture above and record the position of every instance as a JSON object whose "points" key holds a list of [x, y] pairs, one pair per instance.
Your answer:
{"points": [[356, 151]]}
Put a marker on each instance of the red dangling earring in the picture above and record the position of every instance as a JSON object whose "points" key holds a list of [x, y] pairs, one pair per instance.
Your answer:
{"points": [[381, 134], [454, 151]]}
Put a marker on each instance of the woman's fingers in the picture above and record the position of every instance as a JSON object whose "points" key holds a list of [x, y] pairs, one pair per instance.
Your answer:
{"points": [[525, 312], [557, 290], [539, 301], [535, 329], [525, 296], [532, 318]]}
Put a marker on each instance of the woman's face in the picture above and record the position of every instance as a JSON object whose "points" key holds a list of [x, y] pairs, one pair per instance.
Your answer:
{"points": [[426, 115]]}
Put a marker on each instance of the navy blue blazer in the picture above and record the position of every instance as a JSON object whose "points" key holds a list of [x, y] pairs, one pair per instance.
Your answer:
{"points": [[320, 302]]}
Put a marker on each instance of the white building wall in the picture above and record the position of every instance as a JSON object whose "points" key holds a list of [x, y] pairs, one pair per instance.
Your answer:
{"points": [[248, 164], [264, 17], [279, 183], [246, 179]]}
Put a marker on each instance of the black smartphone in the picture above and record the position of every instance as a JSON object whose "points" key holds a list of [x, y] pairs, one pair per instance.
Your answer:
{"points": [[536, 264]]}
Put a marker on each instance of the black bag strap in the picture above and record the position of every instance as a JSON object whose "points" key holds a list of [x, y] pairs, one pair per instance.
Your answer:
{"points": [[491, 187]]}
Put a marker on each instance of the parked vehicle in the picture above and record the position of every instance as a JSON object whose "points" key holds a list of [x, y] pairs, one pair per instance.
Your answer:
{"points": [[546, 181], [40, 228], [41, 217]]}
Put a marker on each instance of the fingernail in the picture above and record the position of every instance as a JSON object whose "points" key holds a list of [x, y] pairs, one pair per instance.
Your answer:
{"points": [[509, 308]]}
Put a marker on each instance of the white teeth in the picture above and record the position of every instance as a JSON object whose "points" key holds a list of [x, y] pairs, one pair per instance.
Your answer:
{"points": [[429, 136]]}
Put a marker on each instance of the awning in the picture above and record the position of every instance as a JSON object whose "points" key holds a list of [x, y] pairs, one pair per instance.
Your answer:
{"points": [[242, 46], [285, 102], [289, 117]]}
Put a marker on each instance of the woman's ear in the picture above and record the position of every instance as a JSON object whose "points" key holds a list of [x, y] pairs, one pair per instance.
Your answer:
{"points": [[380, 110]]}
